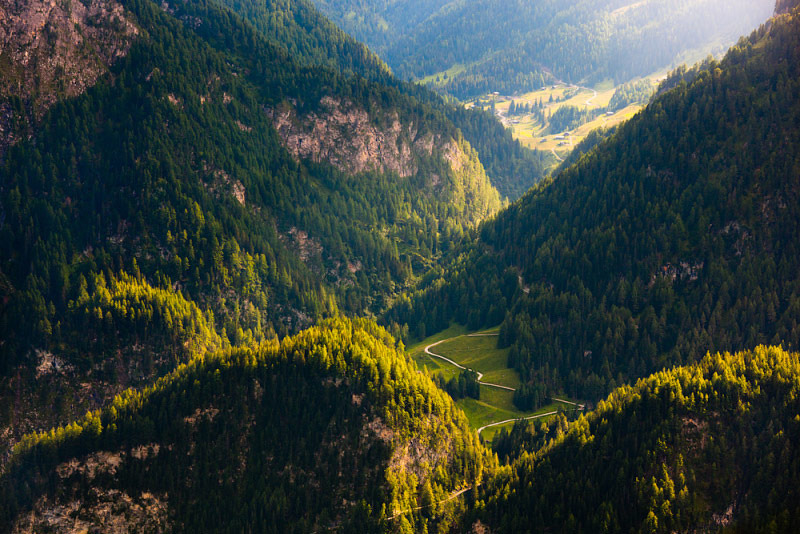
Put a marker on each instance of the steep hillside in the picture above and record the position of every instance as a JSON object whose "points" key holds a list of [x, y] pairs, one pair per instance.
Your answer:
{"points": [[330, 429], [470, 48], [50, 51], [309, 37], [711, 447], [164, 165], [380, 23], [676, 236], [312, 40]]}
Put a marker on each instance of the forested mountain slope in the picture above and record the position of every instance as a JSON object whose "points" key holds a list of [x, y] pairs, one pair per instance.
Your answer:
{"points": [[309, 37], [676, 236], [711, 447], [312, 40], [492, 45], [330, 429], [149, 204]]}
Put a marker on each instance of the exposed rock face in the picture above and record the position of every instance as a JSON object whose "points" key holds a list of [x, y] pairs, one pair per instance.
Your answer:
{"points": [[115, 510], [349, 138], [51, 49], [344, 136]]}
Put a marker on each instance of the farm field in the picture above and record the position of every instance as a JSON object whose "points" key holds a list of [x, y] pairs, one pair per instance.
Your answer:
{"points": [[532, 132]]}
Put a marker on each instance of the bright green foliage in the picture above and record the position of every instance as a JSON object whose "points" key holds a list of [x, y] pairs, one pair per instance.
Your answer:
{"points": [[711, 447], [312, 40], [636, 92], [676, 236], [530, 436], [171, 162], [333, 426], [567, 118], [125, 312]]}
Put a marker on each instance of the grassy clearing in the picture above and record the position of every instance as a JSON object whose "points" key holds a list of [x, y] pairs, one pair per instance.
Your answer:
{"points": [[534, 134], [605, 85], [443, 76], [489, 433], [481, 353], [477, 352]]}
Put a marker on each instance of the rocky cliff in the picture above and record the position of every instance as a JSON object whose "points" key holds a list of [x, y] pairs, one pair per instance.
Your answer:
{"points": [[346, 136], [52, 49]]}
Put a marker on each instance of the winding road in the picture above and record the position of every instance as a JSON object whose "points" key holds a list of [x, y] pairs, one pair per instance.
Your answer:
{"points": [[480, 376], [449, 498], [448, 360], [589, 102], [537, 416]]}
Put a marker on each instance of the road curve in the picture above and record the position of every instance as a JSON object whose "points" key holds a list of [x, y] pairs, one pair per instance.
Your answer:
{"points": [[589, 102], [448, 360], [449, 498], [481, 429], [480, 375]]}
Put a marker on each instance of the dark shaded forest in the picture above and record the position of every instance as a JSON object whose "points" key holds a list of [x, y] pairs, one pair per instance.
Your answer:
{"points": [[674, 237]]}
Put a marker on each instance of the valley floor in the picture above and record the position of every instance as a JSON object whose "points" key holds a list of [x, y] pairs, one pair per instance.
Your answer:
{"points": [[455, 349]]}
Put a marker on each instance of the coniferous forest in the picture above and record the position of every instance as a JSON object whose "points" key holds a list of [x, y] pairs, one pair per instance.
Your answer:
{"points": [[229, 228]]}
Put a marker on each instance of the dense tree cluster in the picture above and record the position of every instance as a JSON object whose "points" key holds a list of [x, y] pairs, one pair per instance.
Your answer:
{"points": [[529, 436], [510, 46], [710, 447], [464, 384], [635, 92], [333, 425], [530, 396], [567, 118], [676, 236]]}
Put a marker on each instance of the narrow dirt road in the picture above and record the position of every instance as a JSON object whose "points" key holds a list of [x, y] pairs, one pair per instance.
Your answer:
{"points": [[589, 102], [480, 375], [498, 423], [451, 362], [449, 498]]}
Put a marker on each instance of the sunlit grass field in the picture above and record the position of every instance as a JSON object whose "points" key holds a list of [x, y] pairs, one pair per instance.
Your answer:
{"points": [[478, 352]]}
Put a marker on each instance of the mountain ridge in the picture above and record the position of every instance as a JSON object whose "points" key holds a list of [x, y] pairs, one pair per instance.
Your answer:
{"points": [[385, 440], [669, 239], [168, 171]]}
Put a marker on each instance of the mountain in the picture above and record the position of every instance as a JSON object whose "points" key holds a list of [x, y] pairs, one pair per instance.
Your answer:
{"points": [[714, 450], [783, 7], [313, 41], [674, 237], [329, 429], [172, 180], [470, 48], [309, 38]]}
